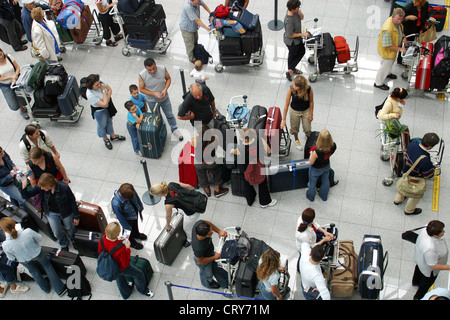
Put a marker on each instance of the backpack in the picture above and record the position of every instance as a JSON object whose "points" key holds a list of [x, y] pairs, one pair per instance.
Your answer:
{"points": [[27, 143], [190, 201], [201, 54], [107, 267], [85, 290], [222, 11]]}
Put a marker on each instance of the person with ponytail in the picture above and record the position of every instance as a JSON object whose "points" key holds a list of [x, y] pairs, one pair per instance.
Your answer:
{"points": [[310, 232], [23, 246], [391, 108], [268, 273]]}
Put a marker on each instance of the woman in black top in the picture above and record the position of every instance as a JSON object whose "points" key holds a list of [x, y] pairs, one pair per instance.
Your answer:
{"points": [[300, 98], [42, 162], [320, 166]]}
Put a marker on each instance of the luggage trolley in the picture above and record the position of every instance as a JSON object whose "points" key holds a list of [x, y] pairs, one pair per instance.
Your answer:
{"points": [[238, 48], [392, 150], [94, 35], [159, 44], [26, 96], [316, 43]]}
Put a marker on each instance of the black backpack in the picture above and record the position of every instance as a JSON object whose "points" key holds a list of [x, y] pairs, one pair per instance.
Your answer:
{"points": [[190, 201], [201, 54], [27, 143], [83, 291]]}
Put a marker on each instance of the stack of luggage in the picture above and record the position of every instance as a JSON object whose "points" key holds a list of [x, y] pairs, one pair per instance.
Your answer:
{"points": [[241, 32], [74, 21], [440, 66], [144, 22]]}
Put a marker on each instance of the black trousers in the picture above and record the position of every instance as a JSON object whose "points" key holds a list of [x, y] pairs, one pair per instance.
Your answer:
{"points": [[134, 230], [296, 53], [263, 192], [14, 31], [423, 282], [108, 25]]}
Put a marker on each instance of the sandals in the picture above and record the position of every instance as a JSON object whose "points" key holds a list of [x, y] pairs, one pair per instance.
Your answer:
{"points": [[207, 191], [118, 37], [120, 138], [109, 43], [108, 144], [297, 71]]}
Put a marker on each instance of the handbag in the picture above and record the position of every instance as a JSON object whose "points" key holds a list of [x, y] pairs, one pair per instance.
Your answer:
{"points": [[428, 35], [410, 235], [412, 187], [35, 53], [253, 173]]}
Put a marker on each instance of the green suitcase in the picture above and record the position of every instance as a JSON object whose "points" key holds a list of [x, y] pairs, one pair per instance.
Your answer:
{"points": [[143, 265], [64, 34], [37, 74]]}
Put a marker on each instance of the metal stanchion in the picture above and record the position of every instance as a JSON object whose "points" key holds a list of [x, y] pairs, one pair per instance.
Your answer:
{"points": [[169, 289], [147, 197], [275, 24]]}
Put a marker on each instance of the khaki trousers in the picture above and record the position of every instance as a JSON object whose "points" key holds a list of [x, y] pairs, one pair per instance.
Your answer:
{"points": [[190, 40], [296, 117], [411, 204]]}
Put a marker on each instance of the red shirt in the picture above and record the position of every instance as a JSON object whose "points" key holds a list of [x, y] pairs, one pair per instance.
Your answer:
{"points": [[121, 256]]}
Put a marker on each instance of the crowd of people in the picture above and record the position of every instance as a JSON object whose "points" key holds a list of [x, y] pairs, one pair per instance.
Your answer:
{"points": [[47, 182]]}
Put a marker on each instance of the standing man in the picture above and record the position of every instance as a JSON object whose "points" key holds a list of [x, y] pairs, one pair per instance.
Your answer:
{"points": [[190, 23], [313, 282], [154, 82], [389, 43], [198, 105], [205, 256], [12, 26], [27, 21], [425, 168]]}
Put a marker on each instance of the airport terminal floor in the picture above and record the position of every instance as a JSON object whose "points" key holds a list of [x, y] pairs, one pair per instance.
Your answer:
{"points": [[343, 103]]}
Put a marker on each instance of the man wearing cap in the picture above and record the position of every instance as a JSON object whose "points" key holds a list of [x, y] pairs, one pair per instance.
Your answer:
{"points": [[29, 5]]}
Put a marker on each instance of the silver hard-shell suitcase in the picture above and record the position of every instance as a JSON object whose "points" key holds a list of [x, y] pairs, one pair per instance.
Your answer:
{"points": [[169, 243]]}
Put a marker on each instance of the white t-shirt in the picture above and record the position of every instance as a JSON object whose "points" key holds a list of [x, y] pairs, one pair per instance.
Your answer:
{"points": [[308, 236], [312, 276], [272, 280], [198, 75], [7, 69], [104, 5], [429, 251]]}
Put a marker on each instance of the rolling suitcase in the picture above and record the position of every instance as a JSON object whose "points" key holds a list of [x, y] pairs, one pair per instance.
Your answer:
{"points": [[237, 182], [92, 217], [19, 215], [289, 175], [186, 169], [142, 44], [169, 243], [440, 14], [372, 265], [86, 242], [344, 278], [55, 79], [68, 100], [141, 15], [440, 74], [423, 73], [326, 56], [80, 33], [272, 127], [39, 219], [251, 40], [310, 142], [342, 49], [143, 265], [245, 17], [63, 261], [152, 134], [257, 119], [246, 280], [230, 46]]}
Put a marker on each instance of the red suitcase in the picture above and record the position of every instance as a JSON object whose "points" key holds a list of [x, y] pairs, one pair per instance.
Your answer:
{"points": [[342, 49], [273, 123], [186, 169], [423, 74], [92, 217]]}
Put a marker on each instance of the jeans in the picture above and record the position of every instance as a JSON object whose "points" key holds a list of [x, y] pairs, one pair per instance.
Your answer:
{"points": [[208, 270], [166, 107], [310, 295], [59, 224], [13, 192], [104, 123], [7, 272], [139, 280], [44, 284], [314, 175], [263, 293], [134, 137], [10, 97]]}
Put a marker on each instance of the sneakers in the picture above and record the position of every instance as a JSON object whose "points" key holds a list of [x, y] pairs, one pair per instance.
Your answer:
{"points": [[138, 153], [5, 288], [62, 293], [177, 134], [20, 288], [136, 245], [221, 192], [298, 146], [150, 294], [24, 114], [274, 202]]}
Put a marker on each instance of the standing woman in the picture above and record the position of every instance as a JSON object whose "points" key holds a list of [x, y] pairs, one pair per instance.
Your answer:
{"points": [[391, 108], [301, 100], [43, 38], [320, 166], [98, 94], [268, 273], [108, 24], [293, 36], [45, 162], [9, 72], [7, 169]]}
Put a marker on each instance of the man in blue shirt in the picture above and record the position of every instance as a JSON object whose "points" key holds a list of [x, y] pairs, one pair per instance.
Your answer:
{"points": [[425, 168], [190, 23], [27, 21]]}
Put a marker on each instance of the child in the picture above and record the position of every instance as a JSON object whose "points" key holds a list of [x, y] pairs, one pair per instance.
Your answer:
{"points": [[134, 119], [198, 73], [138, 98]]}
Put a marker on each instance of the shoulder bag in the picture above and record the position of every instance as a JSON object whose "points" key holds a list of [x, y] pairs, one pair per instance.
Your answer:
{"points": [[412, 187]]}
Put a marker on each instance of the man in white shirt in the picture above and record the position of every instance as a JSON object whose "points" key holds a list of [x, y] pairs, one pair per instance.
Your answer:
{"points": [[313, 282]]}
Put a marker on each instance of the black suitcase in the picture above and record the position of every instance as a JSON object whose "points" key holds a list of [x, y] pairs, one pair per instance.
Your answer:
{"points": [[20, 216], [257, 119], [237, 182], [141, 15], [246, 280], [440, 73], [233, 60], [169, 243], [43, 101], [310, 142], [68, 100], [63, 261], [130, 6], [39, 219], [86, 243], [230, 46], [289, 175], [251, 40], [326, 56], [372, 265]]}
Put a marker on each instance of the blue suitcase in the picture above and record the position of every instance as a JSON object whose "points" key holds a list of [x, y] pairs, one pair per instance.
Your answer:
{"points": [[248, 20], [143, 44], [68, 100], [372, 265], [129, 6], [288, 175], [152, 134]]}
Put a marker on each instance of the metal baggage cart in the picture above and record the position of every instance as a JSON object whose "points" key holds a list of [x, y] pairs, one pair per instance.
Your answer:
{"points": [[315, 43], [391, 150]]}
